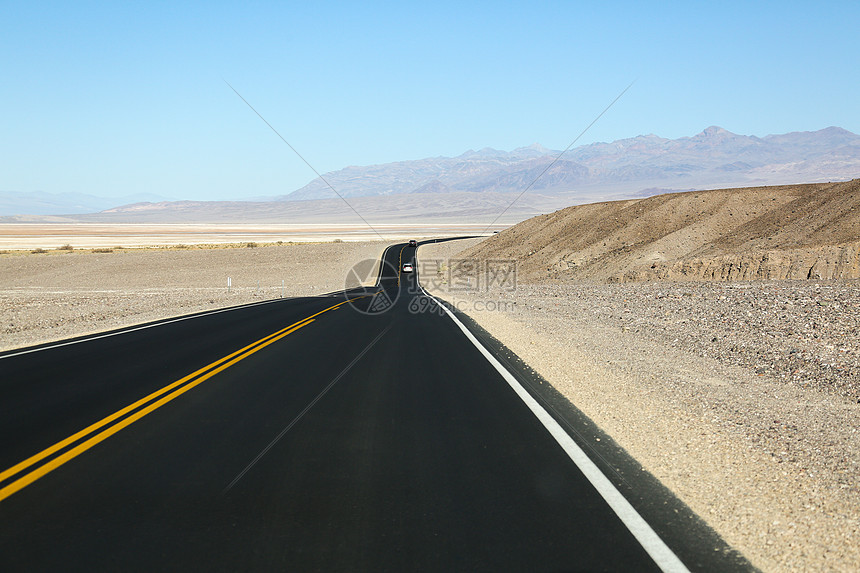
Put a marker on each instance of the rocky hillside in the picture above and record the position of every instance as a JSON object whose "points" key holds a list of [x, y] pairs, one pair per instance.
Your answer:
{"points": [[786, 232]]}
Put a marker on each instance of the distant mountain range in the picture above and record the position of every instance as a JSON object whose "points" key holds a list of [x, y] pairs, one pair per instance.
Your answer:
{"points": [[712, 158], [636, 167]]}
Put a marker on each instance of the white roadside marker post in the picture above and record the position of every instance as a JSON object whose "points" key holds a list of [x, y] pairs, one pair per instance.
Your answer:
{"points": [[229, 283]]}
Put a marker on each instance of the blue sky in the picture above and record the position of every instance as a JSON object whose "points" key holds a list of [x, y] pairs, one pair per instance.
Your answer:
{"points": [[129, 97]]}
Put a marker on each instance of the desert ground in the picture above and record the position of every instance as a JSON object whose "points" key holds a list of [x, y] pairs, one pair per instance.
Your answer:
{"points": [[63, 293]]}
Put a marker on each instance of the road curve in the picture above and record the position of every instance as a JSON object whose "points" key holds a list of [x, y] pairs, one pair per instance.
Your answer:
{"points": [[360, 430]]}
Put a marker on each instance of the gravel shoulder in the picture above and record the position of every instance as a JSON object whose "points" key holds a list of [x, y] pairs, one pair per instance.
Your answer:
{"points": [[58, 295], [742, 398]]}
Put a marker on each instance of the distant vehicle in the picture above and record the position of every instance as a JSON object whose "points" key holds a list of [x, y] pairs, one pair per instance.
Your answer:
{"points": [[413, 243], [407, 267], [495, 232]]}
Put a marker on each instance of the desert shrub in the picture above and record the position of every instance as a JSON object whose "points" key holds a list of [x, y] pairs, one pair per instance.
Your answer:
{"points": [[337, 241], [66, 247], [38, 251], [102, 250], [251, 245]]}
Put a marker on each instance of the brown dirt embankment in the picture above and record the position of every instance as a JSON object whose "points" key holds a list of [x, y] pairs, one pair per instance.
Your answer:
{"points": [[762, 233]]}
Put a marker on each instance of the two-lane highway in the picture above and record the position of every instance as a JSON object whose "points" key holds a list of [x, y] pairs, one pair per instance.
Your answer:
{"points": [[343, 432]]}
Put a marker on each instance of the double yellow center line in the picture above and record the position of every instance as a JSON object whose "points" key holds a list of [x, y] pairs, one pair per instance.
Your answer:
{"points": [[106, 427]]}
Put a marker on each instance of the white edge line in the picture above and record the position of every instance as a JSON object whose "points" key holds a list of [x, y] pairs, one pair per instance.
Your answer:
{"points": [[664, 557], [133, 329]]}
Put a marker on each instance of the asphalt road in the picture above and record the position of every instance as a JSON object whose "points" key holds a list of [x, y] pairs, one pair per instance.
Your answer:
{"points": [[356, 431]]}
